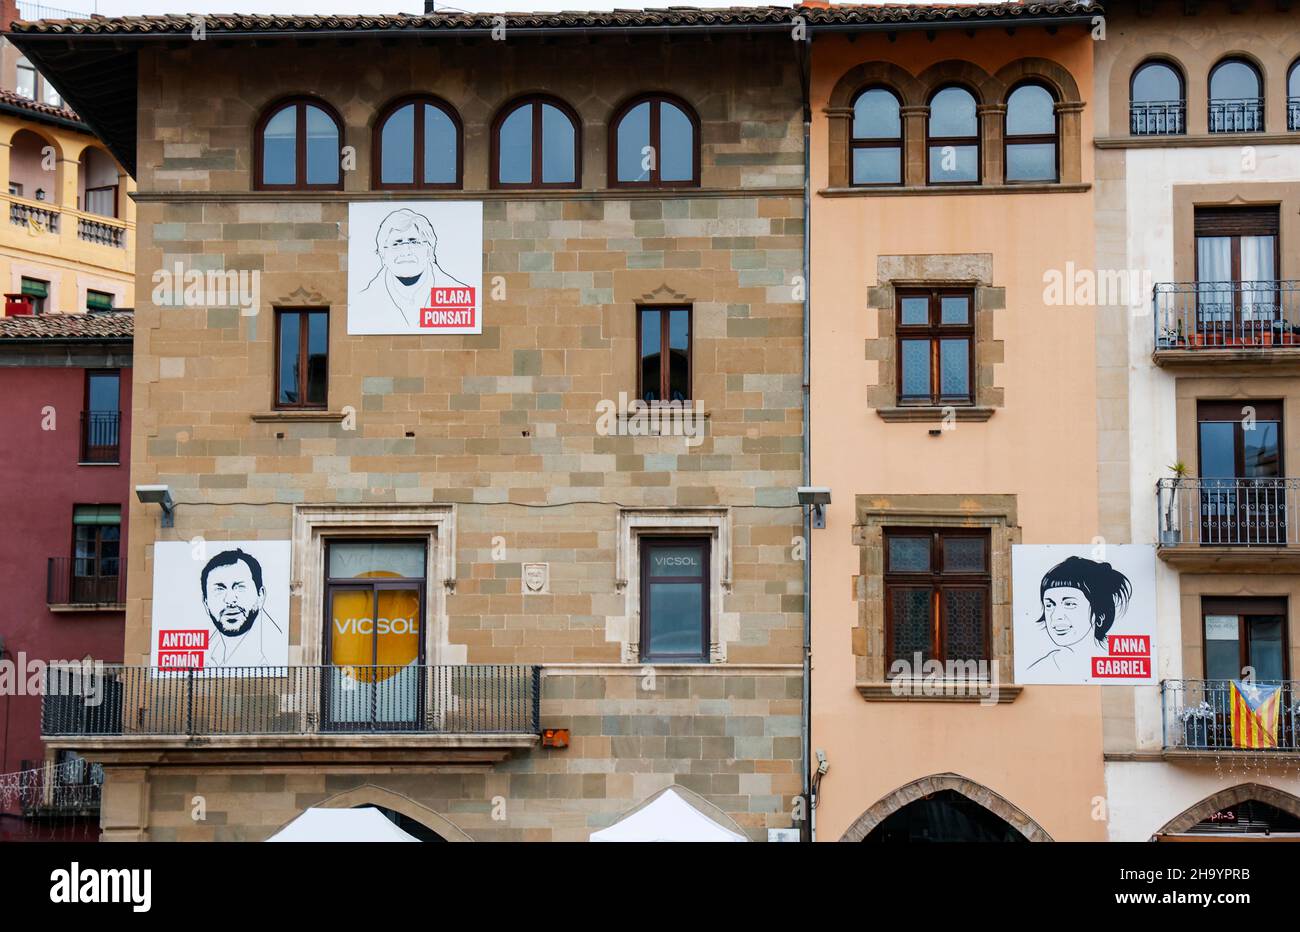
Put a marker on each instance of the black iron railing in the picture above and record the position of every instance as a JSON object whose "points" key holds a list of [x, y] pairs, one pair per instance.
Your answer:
{"points": [[101, 436], [1236, 115], [1228, 512], [1157, 118], [1197, 716], [1227, 315], [72, 581], [470, 699]]}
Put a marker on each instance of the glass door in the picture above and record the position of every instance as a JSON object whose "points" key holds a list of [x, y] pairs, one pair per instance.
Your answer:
{"points": [[1243, 496], [374, 642]]}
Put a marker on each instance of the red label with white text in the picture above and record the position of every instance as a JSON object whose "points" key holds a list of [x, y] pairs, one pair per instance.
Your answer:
{"points": [[449, 309]]}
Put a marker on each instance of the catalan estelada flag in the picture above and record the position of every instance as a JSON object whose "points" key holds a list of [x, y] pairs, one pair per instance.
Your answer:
{"points": [[1254, 714]]}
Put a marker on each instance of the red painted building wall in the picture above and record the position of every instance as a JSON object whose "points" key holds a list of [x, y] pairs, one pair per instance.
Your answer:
{"points": [[40, 483]]}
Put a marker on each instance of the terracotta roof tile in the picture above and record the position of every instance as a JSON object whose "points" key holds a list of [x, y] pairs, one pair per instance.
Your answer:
{"points": [[846, 14], [14, 99], [118, 325]]}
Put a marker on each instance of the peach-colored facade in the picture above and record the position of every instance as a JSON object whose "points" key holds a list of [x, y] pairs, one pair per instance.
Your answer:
{"points": [[1023, 460]]}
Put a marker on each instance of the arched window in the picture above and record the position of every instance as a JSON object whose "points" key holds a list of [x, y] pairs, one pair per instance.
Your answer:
{"points": [[876, 146], [1157, 103], [1236, 98], [654, 142], [535, 145], [1293, 97], [296, 146], [417, 145], [1031, 134], [953, 138]]}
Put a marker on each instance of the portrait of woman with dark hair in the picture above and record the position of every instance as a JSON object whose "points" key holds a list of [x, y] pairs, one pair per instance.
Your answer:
{"points": [[1081, 601]]}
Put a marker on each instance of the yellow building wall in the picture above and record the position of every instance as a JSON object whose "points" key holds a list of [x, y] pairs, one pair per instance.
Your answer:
{"points": [[70, 262]]}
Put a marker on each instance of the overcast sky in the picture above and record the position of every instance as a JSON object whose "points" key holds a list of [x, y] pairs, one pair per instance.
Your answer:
{"points": [[138, 7]]}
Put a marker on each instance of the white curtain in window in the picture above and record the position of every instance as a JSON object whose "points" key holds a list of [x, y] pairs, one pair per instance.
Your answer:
{"points": [[1214, 278], [1257, 274]]}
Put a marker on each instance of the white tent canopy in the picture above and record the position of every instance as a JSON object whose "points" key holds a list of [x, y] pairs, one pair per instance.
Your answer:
{"points": [[667, 818], [366, 824]]}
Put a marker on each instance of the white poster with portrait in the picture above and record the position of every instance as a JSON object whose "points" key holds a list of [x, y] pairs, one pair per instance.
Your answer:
{"points": [[1084, 613], [415, 267], [220, 604]]}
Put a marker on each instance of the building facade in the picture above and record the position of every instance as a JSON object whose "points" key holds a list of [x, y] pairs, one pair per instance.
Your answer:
{"points": [[563, 563], [69, 243], [960, 422], [68, 377], [1198, 191]]}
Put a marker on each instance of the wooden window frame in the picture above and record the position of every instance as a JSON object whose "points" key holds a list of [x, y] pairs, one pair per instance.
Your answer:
{"points": [[32, 299], [92, 373], [647, 545], [665, 371], [1212, 221], [300, 102], [937, 580], [276, 404], [898, 142], [956, 141], [1229, 412], [98, 559], [534, 182], [655, 99], [103, 187], [1245, 607], [1032, 139], [417, 168], [934, 331]]}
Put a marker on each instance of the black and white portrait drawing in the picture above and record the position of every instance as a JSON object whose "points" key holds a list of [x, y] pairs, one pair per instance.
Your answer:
{"points": [[415, 267], [1069, 604], [220, 604]]}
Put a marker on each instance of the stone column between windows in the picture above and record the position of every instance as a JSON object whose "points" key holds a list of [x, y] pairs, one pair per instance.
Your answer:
{"points": [[839, 130], [1069, 142], [992, 120], [914, 154]]}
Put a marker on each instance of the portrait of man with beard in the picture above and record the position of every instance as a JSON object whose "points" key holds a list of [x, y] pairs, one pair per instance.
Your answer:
{"points": [[235, 599], [407, 247]]}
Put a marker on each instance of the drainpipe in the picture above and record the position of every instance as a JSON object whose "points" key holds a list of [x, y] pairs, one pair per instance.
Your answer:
{"points": [[805, 76]]}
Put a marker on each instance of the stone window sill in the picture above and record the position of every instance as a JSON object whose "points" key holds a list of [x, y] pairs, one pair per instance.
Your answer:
{"points": [[927, 690], [935, 189], [933, 413], [1171, 140], [271, 417]]}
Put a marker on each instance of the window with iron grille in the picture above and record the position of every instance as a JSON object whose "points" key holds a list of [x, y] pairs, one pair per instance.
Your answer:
{"points": [[937, 595]]}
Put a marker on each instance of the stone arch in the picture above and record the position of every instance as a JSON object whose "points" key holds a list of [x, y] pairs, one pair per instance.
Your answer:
{"points": [[986, 88], [1241, 55], [909, 89], [1232, 796], [1054, 75], [1172, 50], [918, 789], [378, 796]]}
